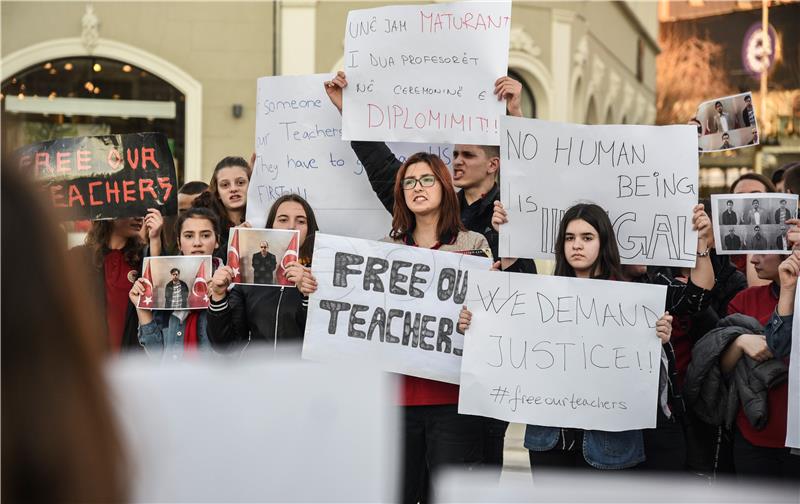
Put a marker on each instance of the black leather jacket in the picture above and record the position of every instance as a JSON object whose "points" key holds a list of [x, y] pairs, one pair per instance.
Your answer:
{"points": [[272, 315]]}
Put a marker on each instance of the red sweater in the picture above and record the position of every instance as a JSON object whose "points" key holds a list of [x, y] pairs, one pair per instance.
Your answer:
{"points": [[760, 302]]}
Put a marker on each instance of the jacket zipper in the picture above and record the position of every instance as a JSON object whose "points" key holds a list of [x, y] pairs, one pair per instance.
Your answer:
{"points": [[277, 313]]}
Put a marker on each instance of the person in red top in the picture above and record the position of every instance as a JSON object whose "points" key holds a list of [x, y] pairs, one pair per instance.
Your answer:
{"points": [[114, 249], [762, 452], [426, 214]]}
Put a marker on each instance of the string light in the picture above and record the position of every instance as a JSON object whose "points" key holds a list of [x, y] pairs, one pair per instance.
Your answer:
{"points": [[97, 90], [96, 67], [126, 68], [48, 66], [89, 86], [68, 66]]}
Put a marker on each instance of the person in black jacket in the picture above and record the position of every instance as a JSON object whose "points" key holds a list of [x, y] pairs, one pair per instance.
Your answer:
{"points": [[475, 170], [263, 263], [269, 314]]}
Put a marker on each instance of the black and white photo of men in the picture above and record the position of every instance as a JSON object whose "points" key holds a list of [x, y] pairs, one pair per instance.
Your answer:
{"points": [[781, 243], [782, 214], [729, 215], [727, 123], [176, 292], [756, 215], [719, 122], [757, 242], [732, 240], [726, 144]]}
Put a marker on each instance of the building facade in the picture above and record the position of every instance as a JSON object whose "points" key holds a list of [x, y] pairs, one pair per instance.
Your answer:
{"points": [[189, 69]]}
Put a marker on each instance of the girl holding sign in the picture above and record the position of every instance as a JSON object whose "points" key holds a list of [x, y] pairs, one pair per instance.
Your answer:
{"points": [[265, 314], [586, 248], [180, 330], [426, 214]]}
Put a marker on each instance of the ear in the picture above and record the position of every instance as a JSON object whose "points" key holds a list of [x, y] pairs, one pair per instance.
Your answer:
{"points": [[494, 164]]}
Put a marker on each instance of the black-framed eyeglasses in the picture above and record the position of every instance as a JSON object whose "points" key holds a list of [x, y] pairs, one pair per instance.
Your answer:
{"points": [[425, 181]]}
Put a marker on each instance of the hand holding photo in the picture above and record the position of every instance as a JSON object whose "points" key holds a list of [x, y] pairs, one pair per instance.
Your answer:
{"points": [[175, 283], [726, 123], [262, 256]]}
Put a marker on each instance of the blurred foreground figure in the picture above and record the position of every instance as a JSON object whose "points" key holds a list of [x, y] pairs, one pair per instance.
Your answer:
{"points": [[59, 439]]}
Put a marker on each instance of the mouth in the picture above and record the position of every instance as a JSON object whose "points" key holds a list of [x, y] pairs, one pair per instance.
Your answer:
{"points": [[578, 256], [136, 225], [198, 252], [419, 198], [457, 174], [235, 197]]}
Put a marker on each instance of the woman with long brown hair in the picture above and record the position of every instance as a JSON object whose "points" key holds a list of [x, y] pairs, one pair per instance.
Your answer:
{"points": [[265, 314], [426, 214], [113, 253], [227, 196], [59, 439]]}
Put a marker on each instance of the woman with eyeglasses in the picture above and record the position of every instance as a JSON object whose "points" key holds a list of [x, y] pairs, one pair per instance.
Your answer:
{"points": [[426, 214]]}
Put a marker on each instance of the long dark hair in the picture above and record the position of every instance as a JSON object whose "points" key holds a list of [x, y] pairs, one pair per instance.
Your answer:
{"points": [[404, 220], [211, 197], [99, 237], [607, 265], [307, 248], [60, 440]]}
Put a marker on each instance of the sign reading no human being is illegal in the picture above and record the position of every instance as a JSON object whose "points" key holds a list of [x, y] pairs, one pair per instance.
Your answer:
{"points": [[645, 177], [562, 352], [388, 305]]}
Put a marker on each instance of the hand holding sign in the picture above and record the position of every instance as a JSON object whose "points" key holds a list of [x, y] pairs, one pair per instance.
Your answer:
{"points": [[219, 282], [334, 89]]}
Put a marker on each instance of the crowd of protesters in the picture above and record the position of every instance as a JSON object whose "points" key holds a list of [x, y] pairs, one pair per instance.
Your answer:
{"points": [[725, 331]]}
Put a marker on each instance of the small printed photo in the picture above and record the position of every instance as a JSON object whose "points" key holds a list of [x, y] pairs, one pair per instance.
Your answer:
{"points": [[261, 256], [726, 123], [175, 283], [752, 223]]}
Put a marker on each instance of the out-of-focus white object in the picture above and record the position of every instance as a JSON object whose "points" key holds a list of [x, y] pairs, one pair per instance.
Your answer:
{"points": [[257, 430], [604, 486]]}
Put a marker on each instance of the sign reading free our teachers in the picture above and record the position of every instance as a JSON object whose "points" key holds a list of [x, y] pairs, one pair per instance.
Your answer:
{"points": [[387, 305], [562, 352], [645, 177], [425, 73]]}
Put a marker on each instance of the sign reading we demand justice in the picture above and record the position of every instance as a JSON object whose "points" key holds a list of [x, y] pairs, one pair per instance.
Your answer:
{"points": [[562, 352], [387, 305], [645, 177], [105, 177], [425, 73]]}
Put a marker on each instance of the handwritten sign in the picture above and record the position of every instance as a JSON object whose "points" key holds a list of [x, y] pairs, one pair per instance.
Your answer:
{"points": [[299, 150], [793, 418], [645, 177], [562, 352], [425, 73], [391, 305], [105, 177]]}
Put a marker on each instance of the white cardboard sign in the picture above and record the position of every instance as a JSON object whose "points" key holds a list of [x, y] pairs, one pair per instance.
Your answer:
{"points": [[299, 149], [388, 305], [645, 177], [251, 431], [562, 352], [793, 418], [426, 73]]}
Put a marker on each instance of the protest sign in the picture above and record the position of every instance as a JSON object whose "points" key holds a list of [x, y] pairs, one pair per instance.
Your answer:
{"points": [[425, 73], [299, 149], [388, 305], [204, 431], [262, 256], [727, 123], [793, 418], [175, 282], [645, 177], [755, 223], [105, 177], [562, 352]]}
